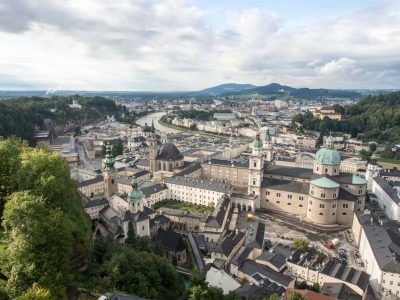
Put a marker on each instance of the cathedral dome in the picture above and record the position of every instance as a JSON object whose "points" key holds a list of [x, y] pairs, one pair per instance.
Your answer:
{"points": [[169, 152], [328, 155]]}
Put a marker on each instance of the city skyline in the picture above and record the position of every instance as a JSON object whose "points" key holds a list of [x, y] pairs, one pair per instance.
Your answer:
{"points": [[191, 45]]}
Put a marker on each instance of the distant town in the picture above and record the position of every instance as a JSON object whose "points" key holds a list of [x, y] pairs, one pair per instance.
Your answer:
{"points": [[240, 192]]}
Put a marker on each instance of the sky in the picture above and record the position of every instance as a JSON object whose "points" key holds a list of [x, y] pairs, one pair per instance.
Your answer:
{"points": [[181, 45]]}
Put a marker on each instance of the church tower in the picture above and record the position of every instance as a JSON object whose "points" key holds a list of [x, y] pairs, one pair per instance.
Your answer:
{"points": [[256, 168], [135, 197], [153, 151], [268, 147], [110, 184]]}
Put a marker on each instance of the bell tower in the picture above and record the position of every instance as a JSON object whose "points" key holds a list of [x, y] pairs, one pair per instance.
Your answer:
{"points": [[256, 168], [153, 151], [268, 147], [110, 184], [135, 197]]}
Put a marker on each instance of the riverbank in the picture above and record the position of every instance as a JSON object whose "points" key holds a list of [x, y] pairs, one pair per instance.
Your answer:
{"points": [[162, 122]]}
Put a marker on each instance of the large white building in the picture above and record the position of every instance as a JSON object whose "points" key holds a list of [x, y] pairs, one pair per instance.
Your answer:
{"points": [[388, 196], [379, 247]]}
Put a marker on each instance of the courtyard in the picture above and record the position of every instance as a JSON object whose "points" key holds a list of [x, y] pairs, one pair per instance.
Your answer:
{"points": [[184, 206]]}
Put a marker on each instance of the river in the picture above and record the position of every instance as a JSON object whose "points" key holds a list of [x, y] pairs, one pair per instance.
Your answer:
{"points": [[155, 117]]}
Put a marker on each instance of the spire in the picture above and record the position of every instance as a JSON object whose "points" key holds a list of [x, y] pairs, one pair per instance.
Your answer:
{"points": [[329, 141], [268, 136], [153, 130], [135, 194], [109, 160], [257, 143]]}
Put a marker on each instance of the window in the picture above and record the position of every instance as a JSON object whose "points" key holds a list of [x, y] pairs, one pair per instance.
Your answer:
{"points": [[142, 227], [344, 214], [301, 198], [254, 182], [255, 164], [267, 193], [309, 209], [300, 205], [310, 202], [334, 195], [333, 205], [321, 214], [312, 192], [326, 170], [322, 195], [335, 170], [289, 196], [333, 214], [345, 205], [359, 202], [360, 192], [278, 202], [317, 169], [278, 194], [289, 203], [322, 206]]}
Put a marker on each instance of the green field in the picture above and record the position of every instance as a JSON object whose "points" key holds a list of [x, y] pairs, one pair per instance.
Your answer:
{"points": [[185, 206], [389, 163]]}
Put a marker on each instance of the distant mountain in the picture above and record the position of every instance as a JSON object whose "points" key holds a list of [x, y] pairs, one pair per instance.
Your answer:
{"points": [[276, 89], [226, 88]]}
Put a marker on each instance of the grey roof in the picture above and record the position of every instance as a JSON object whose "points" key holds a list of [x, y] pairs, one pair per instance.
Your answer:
{"points": [[276, 259], [335, 269], [170, 240], [388, 188], [286, 250], [217, 219], [389, 172], [286, 185], [190, 169], [153, 189], [95, 202], [144, 162], [90, 181], [200, 184], [383, 248], [289, 171], [169, 152], [226, 162], [243, 254], [228, 242], [252, 268], [138, 139], [255, 235], [345, 195]]}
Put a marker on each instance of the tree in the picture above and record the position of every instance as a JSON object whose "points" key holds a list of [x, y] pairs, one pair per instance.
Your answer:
{"points": [[198, 293], [118, 148], [301, 244], [316, 287], [372, 147], [40, 242], [10, 164], [296, 296], [140, 273], [36, 293]]}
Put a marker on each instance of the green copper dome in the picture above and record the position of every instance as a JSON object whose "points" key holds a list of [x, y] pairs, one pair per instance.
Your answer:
{"points": [[257, 142], [135, 194], [328, 155], [109, 160]]}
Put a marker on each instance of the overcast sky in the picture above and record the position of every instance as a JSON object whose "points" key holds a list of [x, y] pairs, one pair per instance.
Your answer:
{"points": [[189, 45]]}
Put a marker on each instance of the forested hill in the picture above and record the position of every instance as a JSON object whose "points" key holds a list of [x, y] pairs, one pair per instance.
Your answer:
{"points": [[372, 118], [20, 116]]}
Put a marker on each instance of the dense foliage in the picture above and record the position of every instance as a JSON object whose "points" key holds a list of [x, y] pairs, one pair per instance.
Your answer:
{"points": [[46, 229], [373, 118], [21, 116], [133, 268]]}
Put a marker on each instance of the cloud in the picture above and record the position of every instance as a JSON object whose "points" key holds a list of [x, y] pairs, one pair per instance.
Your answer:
{"points": [[172, 45]]}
